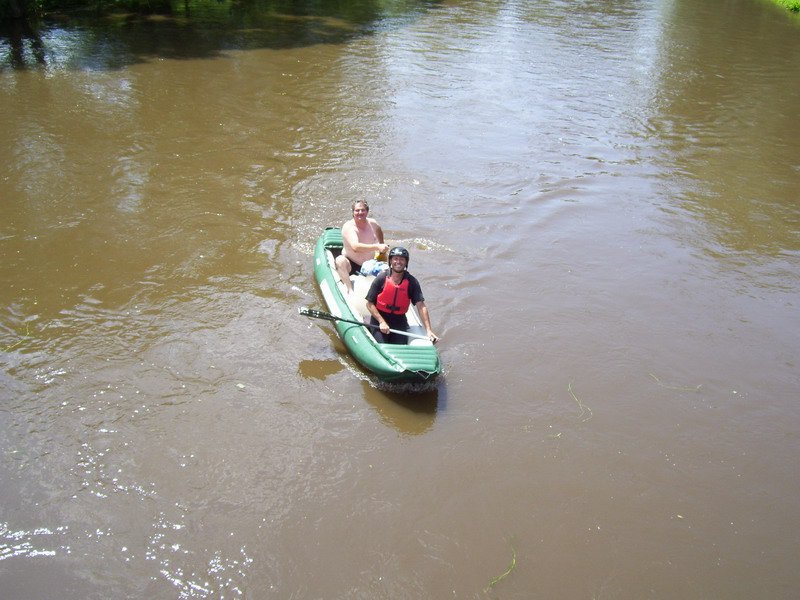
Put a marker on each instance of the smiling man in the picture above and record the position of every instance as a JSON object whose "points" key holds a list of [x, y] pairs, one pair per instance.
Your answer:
{"points": [[362, 237], [389, 297]]}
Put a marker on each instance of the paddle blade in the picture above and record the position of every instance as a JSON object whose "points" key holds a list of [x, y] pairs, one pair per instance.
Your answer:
{"points": [[316, 314]]}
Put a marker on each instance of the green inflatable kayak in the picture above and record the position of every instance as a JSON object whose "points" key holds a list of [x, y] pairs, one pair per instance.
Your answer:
{"points": [[417, 361]]}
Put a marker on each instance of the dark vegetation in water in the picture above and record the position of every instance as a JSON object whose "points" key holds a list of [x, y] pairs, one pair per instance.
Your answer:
{"points": [[138, 30], [32, 10]]}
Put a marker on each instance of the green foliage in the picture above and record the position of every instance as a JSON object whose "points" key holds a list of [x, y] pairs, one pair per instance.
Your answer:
{"points": [[792, 5], [21, 9]]}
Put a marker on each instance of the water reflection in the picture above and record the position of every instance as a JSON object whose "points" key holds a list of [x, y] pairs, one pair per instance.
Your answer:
{"points": [[724, 118], [409, 413], [190, 29], [22, 45], [409, 408], [319, 369]]}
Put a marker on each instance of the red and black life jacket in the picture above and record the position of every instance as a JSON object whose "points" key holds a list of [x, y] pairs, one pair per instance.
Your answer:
{"points": [[394, 298]]}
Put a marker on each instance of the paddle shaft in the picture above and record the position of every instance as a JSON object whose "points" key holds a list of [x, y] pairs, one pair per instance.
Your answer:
{"points": [[318, 314]]}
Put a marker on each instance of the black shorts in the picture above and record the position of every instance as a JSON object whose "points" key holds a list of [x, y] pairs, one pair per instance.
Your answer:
{"points": [[355, 267], [399, 322]]}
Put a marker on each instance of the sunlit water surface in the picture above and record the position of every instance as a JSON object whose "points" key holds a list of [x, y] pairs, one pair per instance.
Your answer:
{"points": [[601, 203]]}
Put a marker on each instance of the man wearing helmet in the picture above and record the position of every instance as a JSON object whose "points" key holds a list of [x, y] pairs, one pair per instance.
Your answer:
{"points": [[391, 294], [362, 238]]}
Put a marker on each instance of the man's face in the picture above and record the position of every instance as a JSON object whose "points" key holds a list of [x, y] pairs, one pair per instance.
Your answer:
{"points": [[360, 211], [398, 263]]}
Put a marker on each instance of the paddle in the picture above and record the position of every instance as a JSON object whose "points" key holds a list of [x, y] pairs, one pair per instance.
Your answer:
{"points": [[318, 314]]}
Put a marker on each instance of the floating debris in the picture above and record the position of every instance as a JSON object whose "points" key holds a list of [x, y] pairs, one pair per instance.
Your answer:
{"points": [[675, 387], [584, 409], [21, 339], [506, 573]]}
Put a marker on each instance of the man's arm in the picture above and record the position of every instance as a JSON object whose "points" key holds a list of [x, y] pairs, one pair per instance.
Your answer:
{"points": [[378, 231], [426, 321], [373, 310], [372, 295]]}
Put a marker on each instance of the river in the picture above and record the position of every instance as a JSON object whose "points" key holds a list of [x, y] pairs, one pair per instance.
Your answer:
{"points": [[601, 203]]}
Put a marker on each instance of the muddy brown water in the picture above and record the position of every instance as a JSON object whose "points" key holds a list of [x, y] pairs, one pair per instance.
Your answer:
{"points": [[601, 203]]}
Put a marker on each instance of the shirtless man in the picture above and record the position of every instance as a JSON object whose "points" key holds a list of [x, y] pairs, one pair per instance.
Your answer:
{"points": [[362, 238]]}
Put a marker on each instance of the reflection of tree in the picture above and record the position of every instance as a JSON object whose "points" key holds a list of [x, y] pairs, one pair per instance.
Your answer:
{"points": [[19, 31], [355, 11], [193, 28]]}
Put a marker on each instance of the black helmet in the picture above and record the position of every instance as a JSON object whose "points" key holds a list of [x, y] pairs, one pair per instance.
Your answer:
{"points": [[398, 251]]}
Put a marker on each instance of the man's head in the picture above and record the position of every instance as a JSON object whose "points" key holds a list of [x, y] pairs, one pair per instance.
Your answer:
{"points": [[360, 207], [398, 258]]}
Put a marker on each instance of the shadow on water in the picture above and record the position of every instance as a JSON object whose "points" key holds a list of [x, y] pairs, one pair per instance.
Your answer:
{"points": [[409, 408], [319, 369], [191, 29], [410, 411]]}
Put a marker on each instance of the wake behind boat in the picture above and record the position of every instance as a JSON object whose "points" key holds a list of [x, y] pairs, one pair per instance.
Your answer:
{"points": [[415, 362]]}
